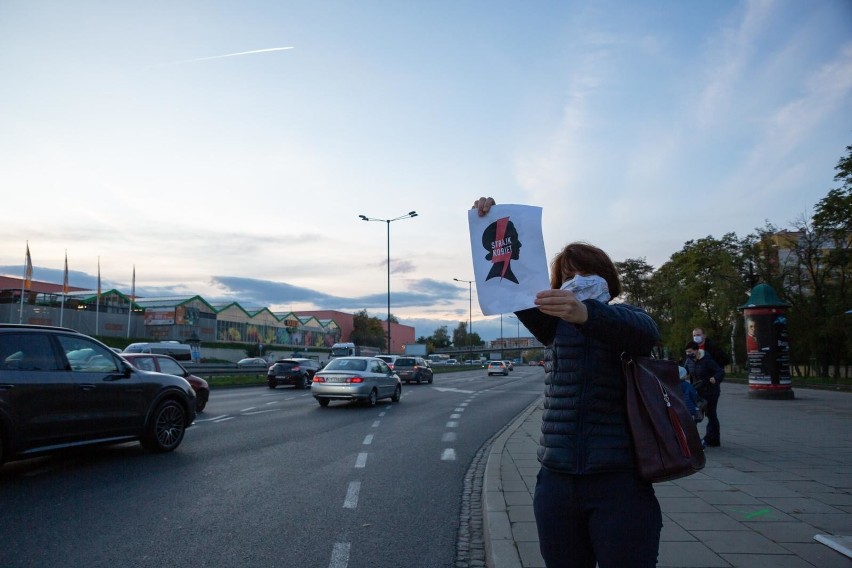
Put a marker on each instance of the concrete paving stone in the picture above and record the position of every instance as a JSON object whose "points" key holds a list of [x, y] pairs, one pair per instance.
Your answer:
{"points": [[504, 553], [525, 532], [521, 513], [746, 542], [525, 463], [766, 490], [530, 555], [688, 555], [499, 526], [840, 523], [669, 489], [514, 484], [819, 555], [765, 561], [785, 532], [730, 497], [494, 501], [779, 476], [517, 498], [732, 476], [685, 505], [693, 483], [801, 505], [807, 486], [706, 521], [756, 513], [673, 532]]}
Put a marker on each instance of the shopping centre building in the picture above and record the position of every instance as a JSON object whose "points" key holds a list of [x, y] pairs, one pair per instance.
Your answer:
{"points": [[112, 313]]}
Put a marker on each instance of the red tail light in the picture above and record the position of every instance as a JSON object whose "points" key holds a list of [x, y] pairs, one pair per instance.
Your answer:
{"points": [[296, 368], [318, 379], [355, 380]]}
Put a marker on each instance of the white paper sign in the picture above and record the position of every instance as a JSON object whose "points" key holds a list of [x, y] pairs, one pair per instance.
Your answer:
{"points": [[509, 263]]}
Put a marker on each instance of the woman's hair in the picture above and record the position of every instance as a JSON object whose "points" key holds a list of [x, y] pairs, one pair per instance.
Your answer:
{"points": [[584, 259]]}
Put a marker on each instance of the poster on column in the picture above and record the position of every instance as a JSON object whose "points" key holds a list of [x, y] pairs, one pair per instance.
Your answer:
{"points": [[509, 262]]}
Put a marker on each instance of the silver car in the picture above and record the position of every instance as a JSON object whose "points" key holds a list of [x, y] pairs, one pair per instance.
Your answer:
{"points": [[364, 379]]}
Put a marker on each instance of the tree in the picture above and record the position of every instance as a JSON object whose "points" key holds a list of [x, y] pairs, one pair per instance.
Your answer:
{"points": [[440, 338], [635, 275], [460, 335], [367, 331]]}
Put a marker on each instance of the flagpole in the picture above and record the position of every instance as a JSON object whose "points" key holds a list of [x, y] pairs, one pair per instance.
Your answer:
{"points": [[64, 290], [23, 284], [26, 282], [132, 294], [98, 300]]}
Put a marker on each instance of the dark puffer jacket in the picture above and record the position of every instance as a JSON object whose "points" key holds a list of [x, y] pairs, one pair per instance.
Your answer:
{"points": [[584, 426]]}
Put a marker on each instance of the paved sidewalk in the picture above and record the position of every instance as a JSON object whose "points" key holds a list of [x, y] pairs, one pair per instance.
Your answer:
{"points": [[782, 476]]}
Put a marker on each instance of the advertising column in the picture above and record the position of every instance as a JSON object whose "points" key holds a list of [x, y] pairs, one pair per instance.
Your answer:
{"points": [[767, 344]]}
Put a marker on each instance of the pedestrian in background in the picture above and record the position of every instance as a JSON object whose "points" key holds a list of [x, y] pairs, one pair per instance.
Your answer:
{"points": [[706, 376], [690, 395], [711, 348], [590, 505]]}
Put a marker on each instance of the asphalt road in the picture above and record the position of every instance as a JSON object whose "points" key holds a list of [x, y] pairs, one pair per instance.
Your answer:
{"points": [[268, 478]]}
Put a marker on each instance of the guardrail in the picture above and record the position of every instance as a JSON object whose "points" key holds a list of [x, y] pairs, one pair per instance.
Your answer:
{"points": [[205, 370]]}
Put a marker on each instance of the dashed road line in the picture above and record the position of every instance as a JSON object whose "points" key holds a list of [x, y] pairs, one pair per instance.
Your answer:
{"points": [[361, 460], [339, 555], [452, 424], [448, 437], [368, 439], [351, 500], [449, 454]]}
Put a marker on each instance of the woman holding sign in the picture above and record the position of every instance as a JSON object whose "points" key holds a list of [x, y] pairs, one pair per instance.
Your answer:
{"points": [[590, 505]]}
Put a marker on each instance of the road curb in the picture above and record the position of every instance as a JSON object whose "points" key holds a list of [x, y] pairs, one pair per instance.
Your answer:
{"points": [[500, 548]]}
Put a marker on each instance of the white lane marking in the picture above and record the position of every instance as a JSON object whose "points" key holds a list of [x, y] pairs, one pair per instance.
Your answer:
{"points": [[455, 416], [261, 411], [448, 437], [223, 419], [339, 555], [464, 404], [376, 423], [448, 454], [382, 414], [351, 500], [247, 409], [442, 389], [368, 439], [273, 402], [361, 460], [458, 409], [452, 424]]}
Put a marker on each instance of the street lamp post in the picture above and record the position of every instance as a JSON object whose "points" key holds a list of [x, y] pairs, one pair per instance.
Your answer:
{"points": [[501, 337], [408, 215], [469, 314], [518, 334]]}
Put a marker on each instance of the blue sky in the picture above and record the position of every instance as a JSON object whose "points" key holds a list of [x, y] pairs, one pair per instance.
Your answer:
{"points": [[635, 125]]}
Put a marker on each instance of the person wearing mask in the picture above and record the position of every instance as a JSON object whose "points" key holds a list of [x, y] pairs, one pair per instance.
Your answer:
{"points": [[590, 504], [711, 348], [688, 392], [706, 376]]}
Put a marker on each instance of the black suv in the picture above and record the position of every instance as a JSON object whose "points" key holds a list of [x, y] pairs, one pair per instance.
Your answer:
{"points": [[413, 369], [296, 372], [60, 389]]}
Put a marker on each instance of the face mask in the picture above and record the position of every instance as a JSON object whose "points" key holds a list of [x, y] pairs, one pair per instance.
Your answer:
{"points": [[691, 355], [591, 287], [697, 339]]}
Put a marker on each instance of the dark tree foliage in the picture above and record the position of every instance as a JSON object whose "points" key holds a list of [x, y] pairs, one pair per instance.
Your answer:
{"points": [[368, 331]]}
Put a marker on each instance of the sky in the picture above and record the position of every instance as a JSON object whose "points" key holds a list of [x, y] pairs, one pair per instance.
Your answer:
{"points": [[227, 149]]}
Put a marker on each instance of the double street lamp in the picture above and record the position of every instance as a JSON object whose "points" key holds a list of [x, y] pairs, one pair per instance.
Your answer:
{"points": [[469, 314], [408, 215]]}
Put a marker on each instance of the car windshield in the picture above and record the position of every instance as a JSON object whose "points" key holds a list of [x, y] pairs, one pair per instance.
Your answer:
{"points": [[403, 362], [347, 365]]}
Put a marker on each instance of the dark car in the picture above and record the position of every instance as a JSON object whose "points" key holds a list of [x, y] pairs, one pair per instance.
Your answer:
{"points": [[296, 372], [415, 369], [169, 366], [61, 389]]}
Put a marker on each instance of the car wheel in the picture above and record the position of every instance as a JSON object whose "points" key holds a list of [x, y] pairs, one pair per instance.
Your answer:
{"points": [[302, 383], [199, 405], [397, 394], [323, 402], [165, 431], [430, 379], [374, 397], [271, 385], [419, 379]]}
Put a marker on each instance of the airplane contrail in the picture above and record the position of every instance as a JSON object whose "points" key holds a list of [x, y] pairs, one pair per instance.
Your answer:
{"points": [[235, 54]]}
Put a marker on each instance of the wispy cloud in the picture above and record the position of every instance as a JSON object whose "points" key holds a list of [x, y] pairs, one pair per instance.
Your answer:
{"points": [[231, 55]]}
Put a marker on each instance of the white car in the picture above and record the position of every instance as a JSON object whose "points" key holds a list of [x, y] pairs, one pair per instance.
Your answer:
{"points": [[362, 379]]}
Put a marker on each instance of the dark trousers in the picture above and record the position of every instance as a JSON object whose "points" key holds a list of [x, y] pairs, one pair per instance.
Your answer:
{"points": [[612, 519], [712, 435]]}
